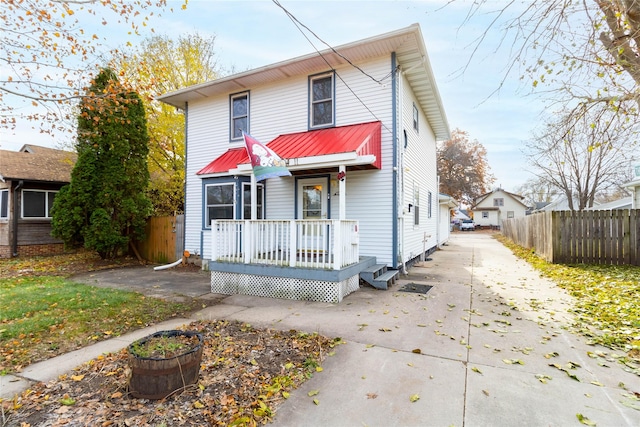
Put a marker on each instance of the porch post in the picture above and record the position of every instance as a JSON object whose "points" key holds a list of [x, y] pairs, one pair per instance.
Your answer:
{"points": [[254, 198], [342, 191], [214, 240], [337, 243], [292, 242], [247, 241]]}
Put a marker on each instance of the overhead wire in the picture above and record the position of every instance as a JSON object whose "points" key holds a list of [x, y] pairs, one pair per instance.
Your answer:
{"points": [[299, 24]]}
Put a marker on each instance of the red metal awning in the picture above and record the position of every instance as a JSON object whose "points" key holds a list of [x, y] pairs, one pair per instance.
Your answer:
{"points": [[363, 139]]}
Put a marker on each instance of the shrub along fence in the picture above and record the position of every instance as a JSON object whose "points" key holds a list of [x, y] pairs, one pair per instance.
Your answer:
{"points": [[580, 237]]}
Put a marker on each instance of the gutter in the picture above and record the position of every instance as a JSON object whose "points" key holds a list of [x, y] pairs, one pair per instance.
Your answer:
{"points": [[394, 114], [14, 218]]}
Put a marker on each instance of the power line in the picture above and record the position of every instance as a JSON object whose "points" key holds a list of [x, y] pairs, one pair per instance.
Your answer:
{"points": [[298, 24]]}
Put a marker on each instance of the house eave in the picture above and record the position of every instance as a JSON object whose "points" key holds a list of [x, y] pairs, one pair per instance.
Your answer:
{"points": [[407, 43], [313, 162]]}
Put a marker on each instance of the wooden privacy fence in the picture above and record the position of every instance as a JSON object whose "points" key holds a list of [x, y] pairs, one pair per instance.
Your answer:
{"points": [[164, 240], [580, 237]]}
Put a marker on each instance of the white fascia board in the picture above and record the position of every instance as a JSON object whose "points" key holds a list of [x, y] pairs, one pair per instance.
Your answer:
{"points": [[330, 160]]}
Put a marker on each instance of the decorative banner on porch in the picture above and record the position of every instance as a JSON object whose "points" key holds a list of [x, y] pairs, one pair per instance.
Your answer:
{"points": [[265, 163]]}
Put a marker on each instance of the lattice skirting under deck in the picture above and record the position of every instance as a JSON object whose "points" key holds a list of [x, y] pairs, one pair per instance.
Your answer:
{"points": [[282, 287]]}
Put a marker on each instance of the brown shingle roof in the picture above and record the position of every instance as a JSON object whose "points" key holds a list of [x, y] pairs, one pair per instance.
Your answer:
{"points": [[36, 163]]}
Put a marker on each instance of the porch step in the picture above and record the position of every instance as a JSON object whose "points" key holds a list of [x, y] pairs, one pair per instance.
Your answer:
{"points": [[378, 276]]}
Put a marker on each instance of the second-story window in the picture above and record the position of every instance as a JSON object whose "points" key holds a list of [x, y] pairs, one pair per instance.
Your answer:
{"points": [[239, 115], [321, 98]]}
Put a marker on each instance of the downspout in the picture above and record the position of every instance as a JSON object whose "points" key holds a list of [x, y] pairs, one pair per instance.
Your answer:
{"points": [[14, 240], [394, 98], [438, 215], [184, 202]]}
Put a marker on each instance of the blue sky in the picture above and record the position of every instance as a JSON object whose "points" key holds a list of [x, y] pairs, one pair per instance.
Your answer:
{"points": [[251, 34]]}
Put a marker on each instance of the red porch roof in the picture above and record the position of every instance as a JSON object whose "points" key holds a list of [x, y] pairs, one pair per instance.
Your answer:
{"points": [[362, 139]]}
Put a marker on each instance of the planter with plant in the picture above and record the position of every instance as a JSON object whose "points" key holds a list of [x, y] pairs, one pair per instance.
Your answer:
{"points": [[164, 362]]}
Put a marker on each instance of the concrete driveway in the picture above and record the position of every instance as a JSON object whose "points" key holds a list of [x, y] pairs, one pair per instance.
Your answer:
{"points": [[476, 350]]}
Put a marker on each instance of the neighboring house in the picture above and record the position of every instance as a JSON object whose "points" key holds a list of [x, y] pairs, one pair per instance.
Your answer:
{"points": [[357, 126], [634, 187], [460, 215], [623, 203], [561, 203], [29, 181], [491, 208], [447, 205]]}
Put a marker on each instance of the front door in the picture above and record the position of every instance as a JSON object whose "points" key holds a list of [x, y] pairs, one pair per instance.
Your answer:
{"points": [[312, 205]]}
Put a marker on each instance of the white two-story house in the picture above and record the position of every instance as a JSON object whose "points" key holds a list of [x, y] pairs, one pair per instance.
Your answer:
{"points": [[357, 126], [491, 208]]}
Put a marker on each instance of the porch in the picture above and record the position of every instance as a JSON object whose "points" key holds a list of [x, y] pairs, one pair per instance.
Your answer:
{"points": [[316, 260]]}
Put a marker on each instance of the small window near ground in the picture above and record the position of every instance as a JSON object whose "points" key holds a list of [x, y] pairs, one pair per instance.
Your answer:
{"points": [[485, 214], [510, 214], [239, 115], [37, 203], [220, 198], [4, 204], [321, 98]]}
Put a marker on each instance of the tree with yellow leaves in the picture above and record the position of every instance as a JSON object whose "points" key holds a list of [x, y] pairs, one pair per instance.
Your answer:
{"points": [[50, 51]]}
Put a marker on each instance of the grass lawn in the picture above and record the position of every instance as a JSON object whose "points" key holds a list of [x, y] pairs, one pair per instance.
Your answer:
{"points": [[43, 314]]}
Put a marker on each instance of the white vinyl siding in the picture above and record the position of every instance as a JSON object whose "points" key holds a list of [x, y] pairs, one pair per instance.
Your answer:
{"points": [[282, 108], [417, 165]]}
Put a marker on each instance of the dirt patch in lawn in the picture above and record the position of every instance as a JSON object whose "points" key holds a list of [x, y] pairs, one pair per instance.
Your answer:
{"points": [[245, 374]]}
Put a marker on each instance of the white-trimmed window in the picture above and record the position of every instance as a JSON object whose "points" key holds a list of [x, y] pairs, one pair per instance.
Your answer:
{"points": [[246, 200], [4, 204], [415, 117], [219, 202], [37, 203], [498, 201], [485, 214], [429, 201], [239, 106], [321, 100], [510, 214]]}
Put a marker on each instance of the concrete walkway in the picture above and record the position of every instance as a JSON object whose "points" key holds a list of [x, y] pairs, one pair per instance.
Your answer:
{"points": [[470, 352]]}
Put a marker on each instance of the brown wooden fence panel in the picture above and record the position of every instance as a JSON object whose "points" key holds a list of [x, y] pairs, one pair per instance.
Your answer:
{"points": [[160, 244], [580, 237]]}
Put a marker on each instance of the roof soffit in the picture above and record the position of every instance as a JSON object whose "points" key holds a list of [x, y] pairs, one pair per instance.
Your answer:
{"points": [[411, 55]]}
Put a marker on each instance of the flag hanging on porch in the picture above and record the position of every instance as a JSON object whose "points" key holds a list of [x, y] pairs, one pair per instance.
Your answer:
{"points": [[265, 163]]}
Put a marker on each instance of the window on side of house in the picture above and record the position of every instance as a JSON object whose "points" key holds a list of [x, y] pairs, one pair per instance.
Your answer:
{"points": [[510, 214], [246, 200], [429, 201], [4, 204], [239, 106], [37, 203], [485, 214], [321, 100], [219, 202], [415, 117], [498, 201]]}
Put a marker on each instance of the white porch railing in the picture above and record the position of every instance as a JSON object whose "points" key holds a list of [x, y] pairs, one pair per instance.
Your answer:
{"points": [[322, 244]]}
